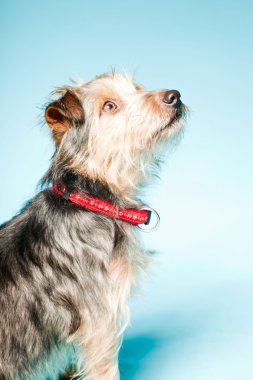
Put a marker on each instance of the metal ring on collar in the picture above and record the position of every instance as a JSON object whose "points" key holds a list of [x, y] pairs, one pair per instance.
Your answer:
{"points": [[153, 212]]}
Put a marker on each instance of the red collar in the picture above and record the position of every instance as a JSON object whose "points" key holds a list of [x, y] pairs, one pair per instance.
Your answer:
{"points": [[132, 216]]}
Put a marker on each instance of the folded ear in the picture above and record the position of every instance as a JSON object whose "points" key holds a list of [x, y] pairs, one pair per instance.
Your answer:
{"points": [[64, 113]]}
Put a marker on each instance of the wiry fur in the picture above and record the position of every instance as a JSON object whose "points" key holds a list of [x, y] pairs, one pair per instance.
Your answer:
{"points": [[66, 273]]}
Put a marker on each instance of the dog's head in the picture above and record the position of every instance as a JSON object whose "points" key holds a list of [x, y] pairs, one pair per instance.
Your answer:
{"points": [[108, 128]]}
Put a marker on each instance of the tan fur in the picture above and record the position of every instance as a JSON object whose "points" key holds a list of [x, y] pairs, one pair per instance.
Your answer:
{"points": [[118, 148], [100, 339], [60, 113]]}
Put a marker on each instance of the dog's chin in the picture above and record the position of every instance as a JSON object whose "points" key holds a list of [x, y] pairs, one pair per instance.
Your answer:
{"points": [[173, 125], [167, 129]]}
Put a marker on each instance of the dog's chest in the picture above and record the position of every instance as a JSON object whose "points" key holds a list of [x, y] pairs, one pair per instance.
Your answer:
{"points": [[127, 262]]}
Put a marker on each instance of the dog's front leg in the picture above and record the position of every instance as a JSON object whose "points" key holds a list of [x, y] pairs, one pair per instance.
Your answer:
{"points": [[101, 353], [99, 335]]}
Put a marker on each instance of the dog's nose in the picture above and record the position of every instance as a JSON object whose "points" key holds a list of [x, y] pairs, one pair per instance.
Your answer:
{"points": [[172, 98]]}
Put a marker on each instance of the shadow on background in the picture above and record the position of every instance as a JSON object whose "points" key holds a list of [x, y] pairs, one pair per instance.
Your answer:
{"points": [[136, 353], [166, 340], [147, 353]]}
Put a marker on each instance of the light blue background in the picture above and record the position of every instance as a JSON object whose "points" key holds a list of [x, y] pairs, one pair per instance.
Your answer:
{"points": [[194, 319]]}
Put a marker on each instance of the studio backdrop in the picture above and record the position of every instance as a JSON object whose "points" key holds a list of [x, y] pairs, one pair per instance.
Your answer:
{"points": [[192, 316]]}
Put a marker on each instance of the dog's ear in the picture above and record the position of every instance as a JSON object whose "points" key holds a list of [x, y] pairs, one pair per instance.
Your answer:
{"points": [[64, 113]]}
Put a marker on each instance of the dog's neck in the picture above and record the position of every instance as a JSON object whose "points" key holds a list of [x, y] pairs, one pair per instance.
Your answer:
{"points": [[83, 184]]}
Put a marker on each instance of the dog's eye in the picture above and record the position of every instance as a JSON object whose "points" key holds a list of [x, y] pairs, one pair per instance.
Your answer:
{"points": [[109, 106]]}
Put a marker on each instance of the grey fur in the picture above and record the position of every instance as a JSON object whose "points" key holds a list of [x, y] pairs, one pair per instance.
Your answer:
{"points": [[53, 264], [65, 272]]}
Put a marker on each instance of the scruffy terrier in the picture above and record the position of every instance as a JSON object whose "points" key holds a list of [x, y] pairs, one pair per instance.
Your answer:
{"points": [[69, 259]]}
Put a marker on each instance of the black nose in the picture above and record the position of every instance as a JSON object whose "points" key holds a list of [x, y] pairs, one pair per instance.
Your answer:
{"points": [[172, 98]]}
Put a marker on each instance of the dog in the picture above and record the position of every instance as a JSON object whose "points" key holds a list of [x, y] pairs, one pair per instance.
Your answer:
{"points": [[70, 258]]}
